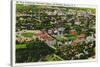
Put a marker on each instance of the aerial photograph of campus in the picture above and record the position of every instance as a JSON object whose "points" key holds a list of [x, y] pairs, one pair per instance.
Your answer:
{"points": [[54, 33]]}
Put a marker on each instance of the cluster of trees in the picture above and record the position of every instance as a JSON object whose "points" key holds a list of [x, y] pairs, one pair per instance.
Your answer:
{"points": [[34, 17], [34, 51], [37, 50], [75, 52]]}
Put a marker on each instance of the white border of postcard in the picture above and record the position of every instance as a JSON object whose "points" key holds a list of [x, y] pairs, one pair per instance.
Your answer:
{"points": [[43, 63]]}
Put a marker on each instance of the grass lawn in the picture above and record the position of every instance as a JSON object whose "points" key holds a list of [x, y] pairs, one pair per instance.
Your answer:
{"points": [[68, 37], [71, 37], [19, 46], [27, 34], [53, 57]]}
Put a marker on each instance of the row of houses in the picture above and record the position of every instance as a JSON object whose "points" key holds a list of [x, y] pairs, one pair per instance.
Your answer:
{"points": [[58, 12]]}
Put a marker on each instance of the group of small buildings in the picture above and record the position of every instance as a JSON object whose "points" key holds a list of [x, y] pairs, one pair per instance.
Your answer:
{"points": [[50, 36]]}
